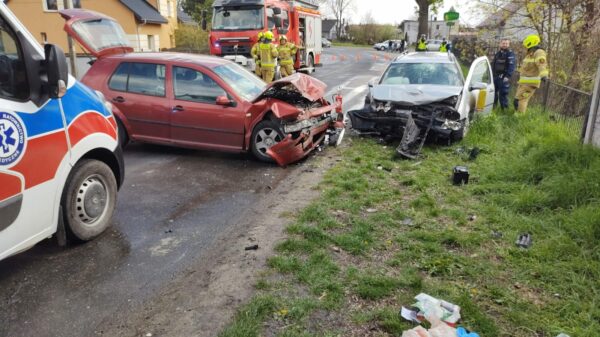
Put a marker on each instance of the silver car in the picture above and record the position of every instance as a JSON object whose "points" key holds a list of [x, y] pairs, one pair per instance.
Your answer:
{"points": [[429, 89]]}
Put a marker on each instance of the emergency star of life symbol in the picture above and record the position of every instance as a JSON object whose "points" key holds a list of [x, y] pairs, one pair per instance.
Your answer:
{"points": [[12, 138]]}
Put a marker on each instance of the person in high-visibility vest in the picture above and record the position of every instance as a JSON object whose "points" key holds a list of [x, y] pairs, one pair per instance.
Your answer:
{"points": [[422, 43], [532, 72], [254, 54], [267, 54], [444, 46], [286, 50]]}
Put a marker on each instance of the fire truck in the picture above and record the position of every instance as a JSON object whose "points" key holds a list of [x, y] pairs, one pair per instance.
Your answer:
{"points": [[236, 24]]}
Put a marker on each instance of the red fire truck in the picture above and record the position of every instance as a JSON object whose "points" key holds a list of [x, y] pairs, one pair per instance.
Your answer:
{"points": [[236, 24]]}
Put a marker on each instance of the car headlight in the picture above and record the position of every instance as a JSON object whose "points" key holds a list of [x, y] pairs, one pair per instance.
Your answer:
{"points": [[385, 107], [107, 105]]}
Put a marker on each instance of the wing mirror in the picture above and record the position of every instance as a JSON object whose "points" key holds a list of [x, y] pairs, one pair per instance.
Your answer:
{"points": [[276, 11], [478, 86], [224, 101], [371, 83], [57, 71]]}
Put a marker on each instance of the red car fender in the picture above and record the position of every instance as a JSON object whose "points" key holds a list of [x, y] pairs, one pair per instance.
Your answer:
{"points": [[124, 121]]}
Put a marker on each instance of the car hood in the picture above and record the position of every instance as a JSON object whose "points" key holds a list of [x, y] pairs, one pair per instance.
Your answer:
{"points": [[413, 94], [309, 87]]}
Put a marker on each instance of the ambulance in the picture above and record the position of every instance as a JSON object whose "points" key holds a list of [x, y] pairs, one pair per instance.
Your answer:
{"points": [[60, 161]]}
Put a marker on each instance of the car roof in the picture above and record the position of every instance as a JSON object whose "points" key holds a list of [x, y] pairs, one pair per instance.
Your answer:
{"points": [[205, 60], [425, 57]]}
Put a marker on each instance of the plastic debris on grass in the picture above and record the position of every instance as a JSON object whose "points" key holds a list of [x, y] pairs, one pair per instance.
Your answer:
{"points": [[442, 315]]}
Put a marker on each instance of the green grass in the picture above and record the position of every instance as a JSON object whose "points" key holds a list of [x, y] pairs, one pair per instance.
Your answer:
{"points": [[349, 44], [376, 238]]}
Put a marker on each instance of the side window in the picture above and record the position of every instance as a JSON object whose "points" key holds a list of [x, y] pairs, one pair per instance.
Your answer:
{"points": [[270, 18], [285, 19], [194, 86], [118, 80], [481, 73], [146, 79], [13, 78]]}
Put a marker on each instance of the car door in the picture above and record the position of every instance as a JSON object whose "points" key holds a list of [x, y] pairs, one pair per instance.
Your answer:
{"points": [[478, 91], [197, 119], [137, 89]]}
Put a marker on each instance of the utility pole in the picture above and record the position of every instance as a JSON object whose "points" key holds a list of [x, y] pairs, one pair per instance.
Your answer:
{"points": [[72, 55]]}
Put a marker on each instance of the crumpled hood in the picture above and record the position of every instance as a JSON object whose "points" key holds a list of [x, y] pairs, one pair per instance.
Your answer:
{"points": [[310, 88], [414, 94]]}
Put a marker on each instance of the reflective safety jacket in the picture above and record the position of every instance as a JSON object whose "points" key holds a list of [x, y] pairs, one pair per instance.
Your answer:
{"points": [[444, 47], [534, 67], [286, 53], [254, 51], [422, 45], [267, 54]]}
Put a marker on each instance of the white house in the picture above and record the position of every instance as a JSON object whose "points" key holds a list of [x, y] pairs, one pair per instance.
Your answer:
{"points": [[510, 21], [437, 29]]}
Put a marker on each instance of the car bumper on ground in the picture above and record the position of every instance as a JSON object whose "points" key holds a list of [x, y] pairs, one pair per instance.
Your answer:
{"points": [[367, 122]]}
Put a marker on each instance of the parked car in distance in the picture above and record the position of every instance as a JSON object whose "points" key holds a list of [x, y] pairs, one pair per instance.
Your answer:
{"points": [[201, 101], [434, 45], [382, 45], [430, 88], [325, 43]]}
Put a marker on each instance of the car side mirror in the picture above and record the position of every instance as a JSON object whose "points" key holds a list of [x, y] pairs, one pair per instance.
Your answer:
{"points": [[224, 101], [478, 86], [276, 10], [57, 71], [371, 83]]}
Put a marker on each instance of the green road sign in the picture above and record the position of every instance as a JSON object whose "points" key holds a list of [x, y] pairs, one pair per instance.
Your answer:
{"points": [[451, 15]]}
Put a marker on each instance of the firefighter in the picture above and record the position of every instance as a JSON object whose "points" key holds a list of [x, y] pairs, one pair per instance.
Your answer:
{"points": [[286, 50], [444, 46], [422, 43], [254, 53], [267, 54], [503, 67], [532, 72]]}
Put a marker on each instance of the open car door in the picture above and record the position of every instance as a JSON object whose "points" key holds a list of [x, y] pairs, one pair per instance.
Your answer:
{"points": [[479, 90], [98, 34]]}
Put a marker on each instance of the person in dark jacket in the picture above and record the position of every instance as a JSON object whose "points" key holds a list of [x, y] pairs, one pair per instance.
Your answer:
{"points": [[503, 66]]}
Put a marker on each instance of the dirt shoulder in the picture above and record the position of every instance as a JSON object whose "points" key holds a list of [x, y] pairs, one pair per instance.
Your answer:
{"points": [[201, 300]]}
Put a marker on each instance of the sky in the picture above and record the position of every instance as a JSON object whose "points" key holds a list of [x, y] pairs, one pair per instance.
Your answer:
{"points": [[395, 11]]}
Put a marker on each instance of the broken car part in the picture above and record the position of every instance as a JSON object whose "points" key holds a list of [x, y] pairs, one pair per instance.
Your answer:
{"points": [[460, 175]]}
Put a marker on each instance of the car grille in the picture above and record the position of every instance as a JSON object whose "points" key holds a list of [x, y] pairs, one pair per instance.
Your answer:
{"points": [[242, 50]]}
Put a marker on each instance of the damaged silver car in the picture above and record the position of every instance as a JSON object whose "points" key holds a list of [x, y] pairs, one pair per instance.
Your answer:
{"points": [[425, 94]]}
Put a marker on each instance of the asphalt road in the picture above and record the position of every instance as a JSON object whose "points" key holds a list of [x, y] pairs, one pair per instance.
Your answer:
{"points": [[172, 207]]}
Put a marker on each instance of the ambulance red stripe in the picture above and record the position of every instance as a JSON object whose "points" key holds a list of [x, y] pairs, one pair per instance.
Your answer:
{"points": [[11, 186]]}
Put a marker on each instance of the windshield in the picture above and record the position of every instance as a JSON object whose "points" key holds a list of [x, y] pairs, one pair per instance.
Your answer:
{"points": [[237, 18], [422, 73], [243, 82], [101, 34]]}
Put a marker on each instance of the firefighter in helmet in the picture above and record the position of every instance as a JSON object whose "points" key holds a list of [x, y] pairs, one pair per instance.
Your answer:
{"points": [[286, 50], [254, 54], [422, 43], [532, 72], [267, 54]]}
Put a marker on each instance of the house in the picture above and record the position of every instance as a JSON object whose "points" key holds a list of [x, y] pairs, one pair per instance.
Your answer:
{"points": [[329, 29], [437, 30], [510, 21], [149, 24]]}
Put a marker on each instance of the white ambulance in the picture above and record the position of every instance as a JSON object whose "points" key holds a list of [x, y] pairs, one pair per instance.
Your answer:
{"points": [[60, 162]]}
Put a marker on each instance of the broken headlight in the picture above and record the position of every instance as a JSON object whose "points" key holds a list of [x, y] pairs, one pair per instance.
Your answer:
{"points": [[381, 106]]}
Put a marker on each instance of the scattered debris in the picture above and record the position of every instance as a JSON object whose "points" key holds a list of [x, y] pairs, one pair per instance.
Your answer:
{"points": [[336, 249], [253, 247], [474, 153], [407, 222], [563, 335], [472, 217], [557, 295], [413, 138], [460, 175], [442, 315], [462, 332], [524, 240], [410, 314], [380, 167], [371, 210], [496, 234], [168, 231]]}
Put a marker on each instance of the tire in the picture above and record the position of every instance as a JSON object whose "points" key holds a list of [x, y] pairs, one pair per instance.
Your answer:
{"points": [[265, 134], [122, 133], [89, 199]]}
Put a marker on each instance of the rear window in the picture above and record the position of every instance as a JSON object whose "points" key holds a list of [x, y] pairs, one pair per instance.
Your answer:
{"points": [[140, 78], [422, 73]]}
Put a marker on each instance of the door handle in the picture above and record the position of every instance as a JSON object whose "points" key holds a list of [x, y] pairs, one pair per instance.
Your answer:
{"points": [[118, 99], [177, 108]]}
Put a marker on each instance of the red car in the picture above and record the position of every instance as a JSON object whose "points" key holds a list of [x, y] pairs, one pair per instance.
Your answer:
{"points": [[202, 101]]}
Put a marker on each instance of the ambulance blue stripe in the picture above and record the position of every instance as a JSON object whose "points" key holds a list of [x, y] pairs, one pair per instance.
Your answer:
{"points": [[46, 120]]}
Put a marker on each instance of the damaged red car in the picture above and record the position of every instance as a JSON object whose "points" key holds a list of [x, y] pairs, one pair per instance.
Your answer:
{"points": [[200, 101]]}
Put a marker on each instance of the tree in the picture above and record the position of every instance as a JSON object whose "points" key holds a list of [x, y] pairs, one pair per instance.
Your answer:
{"points": [[424, 6], [340, 9], [194, 8]]}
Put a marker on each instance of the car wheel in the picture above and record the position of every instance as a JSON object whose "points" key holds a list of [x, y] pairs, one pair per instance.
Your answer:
{"points": [[122, 133], [266, 134], [89, 199]]}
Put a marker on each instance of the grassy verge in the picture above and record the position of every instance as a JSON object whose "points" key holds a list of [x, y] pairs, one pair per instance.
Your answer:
{"points": [[384, 230], [350, 44]]}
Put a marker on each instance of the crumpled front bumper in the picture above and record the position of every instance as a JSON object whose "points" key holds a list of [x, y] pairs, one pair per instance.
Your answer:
{"points": [[291, 150], [367, 122]]}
